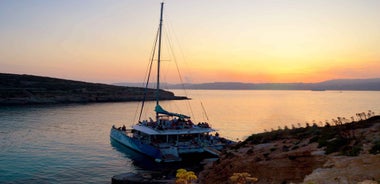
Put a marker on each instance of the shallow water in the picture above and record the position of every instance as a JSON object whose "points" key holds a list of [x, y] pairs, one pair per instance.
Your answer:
{"points": [[71, 144]]}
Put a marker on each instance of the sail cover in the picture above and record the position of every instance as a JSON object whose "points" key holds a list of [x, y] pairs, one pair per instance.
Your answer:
{"points": [[160, 110]]}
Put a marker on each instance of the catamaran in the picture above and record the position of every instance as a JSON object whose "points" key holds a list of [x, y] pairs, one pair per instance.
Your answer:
{"points": [[171, 134]]}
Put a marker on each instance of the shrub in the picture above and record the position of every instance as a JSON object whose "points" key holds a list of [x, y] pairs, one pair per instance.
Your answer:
{"points": [[295, 147], [335, 145], [352, 150], [314, 139], [285, 148], [266, 155], [250, 151], [322, 142], [292, 157], [375, 148]]}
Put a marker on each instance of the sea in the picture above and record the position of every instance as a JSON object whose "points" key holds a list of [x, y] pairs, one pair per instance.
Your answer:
{"points": [[70, 143]]}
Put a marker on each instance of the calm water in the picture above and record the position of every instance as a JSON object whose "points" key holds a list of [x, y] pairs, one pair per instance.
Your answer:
{"points": [[71, 144]]}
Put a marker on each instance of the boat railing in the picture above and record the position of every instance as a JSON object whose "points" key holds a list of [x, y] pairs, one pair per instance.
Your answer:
{"points": [[164, 145], [174, 124]]}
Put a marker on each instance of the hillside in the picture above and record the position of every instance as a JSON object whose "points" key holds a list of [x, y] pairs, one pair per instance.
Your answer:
{"points": [[342, 151], [29, 89], [336, 84]]}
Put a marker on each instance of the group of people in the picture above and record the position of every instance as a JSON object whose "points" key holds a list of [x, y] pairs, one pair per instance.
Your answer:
{"points": [[169, 124], [163, 124], [123, 128], [203, 125]]}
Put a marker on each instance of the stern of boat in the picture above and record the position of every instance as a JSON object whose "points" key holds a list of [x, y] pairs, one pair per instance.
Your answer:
{"points": [[169, 154]]}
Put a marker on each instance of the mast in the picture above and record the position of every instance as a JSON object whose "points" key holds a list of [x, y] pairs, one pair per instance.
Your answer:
{"points": [[159, 60]]}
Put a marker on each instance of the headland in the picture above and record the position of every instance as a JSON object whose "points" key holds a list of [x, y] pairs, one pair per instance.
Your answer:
{"points": [[18, 89]]}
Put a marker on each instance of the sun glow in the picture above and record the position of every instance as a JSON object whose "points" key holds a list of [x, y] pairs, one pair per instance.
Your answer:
{"points": [[247, 41]]}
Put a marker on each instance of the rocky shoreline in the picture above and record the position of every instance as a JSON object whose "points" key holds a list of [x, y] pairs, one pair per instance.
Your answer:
{"points": [[345, 152], [28, 89]]}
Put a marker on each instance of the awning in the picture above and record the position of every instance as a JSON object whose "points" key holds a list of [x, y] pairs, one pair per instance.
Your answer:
{"points": [[160, 110]]}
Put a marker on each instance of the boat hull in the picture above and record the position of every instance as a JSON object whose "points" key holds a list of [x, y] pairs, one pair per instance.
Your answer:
{"points": [[123, 138], [167, 153]]}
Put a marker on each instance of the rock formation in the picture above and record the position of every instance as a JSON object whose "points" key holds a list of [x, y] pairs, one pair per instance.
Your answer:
{"points": [[343, 153]]}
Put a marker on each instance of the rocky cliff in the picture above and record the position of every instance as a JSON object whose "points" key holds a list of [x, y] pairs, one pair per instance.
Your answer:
{"points": [[28, 89], [345, 152]]}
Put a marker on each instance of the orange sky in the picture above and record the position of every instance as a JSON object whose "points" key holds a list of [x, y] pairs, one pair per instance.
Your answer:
{"points": [[213, 40]]}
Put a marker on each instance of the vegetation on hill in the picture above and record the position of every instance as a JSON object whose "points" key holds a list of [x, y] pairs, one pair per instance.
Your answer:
{"points": [[310, 154], [339, 136], [28, 89]]}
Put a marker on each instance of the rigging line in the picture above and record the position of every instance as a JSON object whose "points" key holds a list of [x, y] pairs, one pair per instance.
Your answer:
{"points": [[204, 111], [147, 70], [148, 75], [179, 47], [188, 71], [165, 70], [187, 66], [178, 71]]}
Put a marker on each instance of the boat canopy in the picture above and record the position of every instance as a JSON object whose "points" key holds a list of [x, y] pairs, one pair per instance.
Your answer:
{"points": [[160, 110], [152, 131]]}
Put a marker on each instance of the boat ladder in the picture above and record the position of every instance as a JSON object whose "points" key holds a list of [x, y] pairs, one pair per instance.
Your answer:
{"points": [[212, 150], [170, 154]]}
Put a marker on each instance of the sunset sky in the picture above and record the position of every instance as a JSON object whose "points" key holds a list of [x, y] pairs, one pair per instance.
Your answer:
{"points": [[213, 40]]}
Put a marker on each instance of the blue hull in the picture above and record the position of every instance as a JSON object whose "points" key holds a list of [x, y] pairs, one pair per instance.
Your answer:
{"points": [[134, 144], [163, 154]]}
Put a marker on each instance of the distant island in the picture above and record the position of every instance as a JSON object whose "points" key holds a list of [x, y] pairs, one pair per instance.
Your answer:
{"points": [[18, 89], [372, 84]]}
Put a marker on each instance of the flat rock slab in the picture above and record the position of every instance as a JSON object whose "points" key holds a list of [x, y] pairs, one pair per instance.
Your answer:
{"points": [[133, 178]]}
